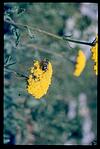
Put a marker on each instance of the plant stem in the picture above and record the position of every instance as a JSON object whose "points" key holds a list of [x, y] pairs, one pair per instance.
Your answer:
{"points": [[14, 71], [61, 55], [18, 25], [79, 42]]}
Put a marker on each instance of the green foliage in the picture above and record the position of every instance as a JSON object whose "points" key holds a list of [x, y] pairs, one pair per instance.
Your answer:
{"points": [[46, 121]]}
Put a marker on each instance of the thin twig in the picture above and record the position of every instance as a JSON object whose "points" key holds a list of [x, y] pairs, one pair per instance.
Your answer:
{"points": [[79, 42], [18, 25], [61, 55], [41, 49], [14, 71]]}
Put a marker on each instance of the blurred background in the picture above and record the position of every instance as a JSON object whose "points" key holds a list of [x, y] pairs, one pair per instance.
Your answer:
{"points": [[67, 114]]}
